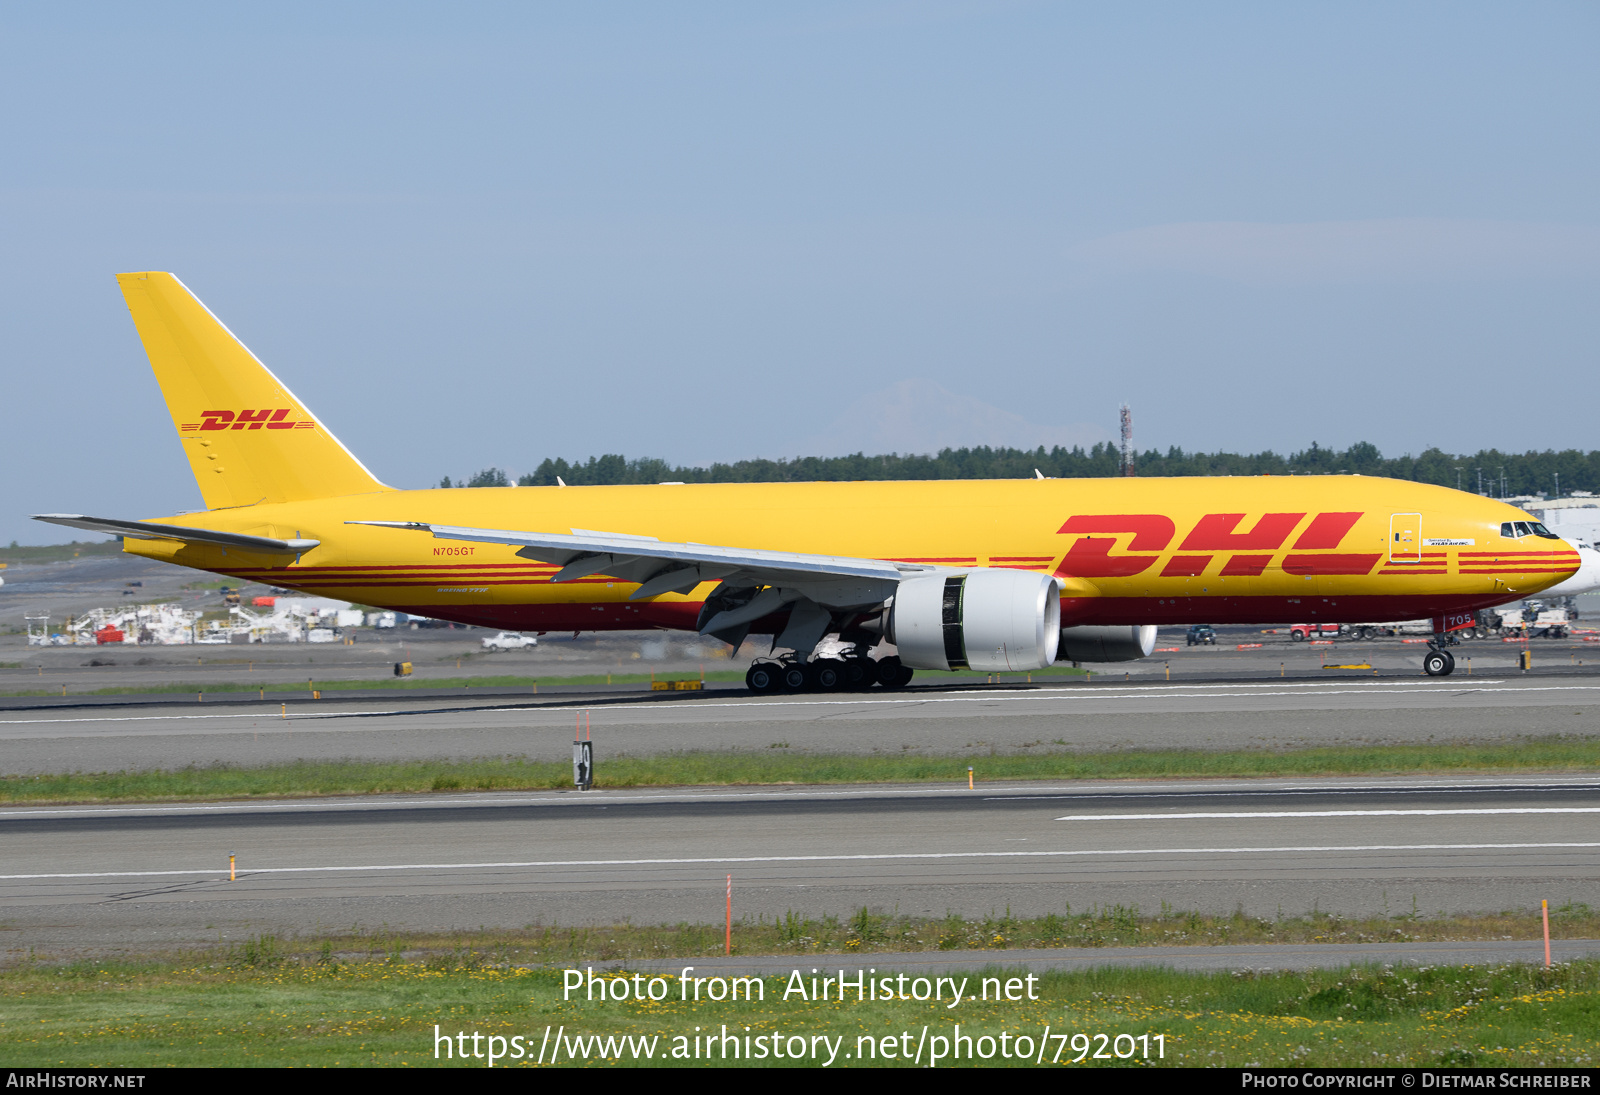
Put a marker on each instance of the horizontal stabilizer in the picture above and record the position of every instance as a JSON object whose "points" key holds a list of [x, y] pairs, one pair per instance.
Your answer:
{"points": [[152, 530]]}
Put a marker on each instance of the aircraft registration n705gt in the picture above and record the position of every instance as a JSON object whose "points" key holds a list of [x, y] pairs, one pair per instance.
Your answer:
{"points": [[859, 583]]}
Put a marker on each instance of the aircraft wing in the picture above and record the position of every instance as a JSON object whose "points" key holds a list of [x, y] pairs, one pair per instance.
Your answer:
{"points": [[665, 567], [153, 530], [755, 583]]}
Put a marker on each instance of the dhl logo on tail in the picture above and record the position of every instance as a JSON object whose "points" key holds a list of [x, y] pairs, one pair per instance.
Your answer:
{"points": [[249, 420]]}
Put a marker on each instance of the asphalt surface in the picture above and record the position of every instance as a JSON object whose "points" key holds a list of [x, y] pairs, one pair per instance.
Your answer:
{"points": [[975, 719], [157, 875]]}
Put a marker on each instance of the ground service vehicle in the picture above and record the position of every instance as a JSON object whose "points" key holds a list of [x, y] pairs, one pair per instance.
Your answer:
{"points": [[508, 640], [984, 575], [1533, 619], [1202, 635], [1391, 628], [1301, 632]]}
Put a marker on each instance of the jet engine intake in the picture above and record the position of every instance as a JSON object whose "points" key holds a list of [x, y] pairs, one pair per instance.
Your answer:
{"points": [[1119, 643], [987, 619]]}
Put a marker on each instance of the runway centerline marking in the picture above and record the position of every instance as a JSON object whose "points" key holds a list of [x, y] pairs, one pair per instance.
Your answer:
{"points": [[1334, 813], [847, 858]]}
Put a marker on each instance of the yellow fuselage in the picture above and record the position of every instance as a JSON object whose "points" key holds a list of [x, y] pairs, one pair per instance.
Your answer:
{"points": [[1127, 551]]}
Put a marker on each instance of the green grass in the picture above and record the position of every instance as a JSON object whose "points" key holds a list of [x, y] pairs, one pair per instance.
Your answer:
{"points": [[777, 764], [257, 1006], [827, 938], [55, 553]]}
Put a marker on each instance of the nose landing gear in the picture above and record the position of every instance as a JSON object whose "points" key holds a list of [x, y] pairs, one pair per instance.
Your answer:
{"points": [[1439, 662]]}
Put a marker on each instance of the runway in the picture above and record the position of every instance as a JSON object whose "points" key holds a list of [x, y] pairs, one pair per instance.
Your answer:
{"points": [[131, 876], [950, 720]]}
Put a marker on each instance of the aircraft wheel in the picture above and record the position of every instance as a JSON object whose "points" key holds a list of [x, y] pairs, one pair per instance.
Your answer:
{"points": [[888, 670], [761, 678], [1438, 663], [902, 677], [825, 676], [792, 678], [857, 673]]}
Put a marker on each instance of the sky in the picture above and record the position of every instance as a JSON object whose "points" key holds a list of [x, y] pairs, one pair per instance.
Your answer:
{"points": [[475, 235]]}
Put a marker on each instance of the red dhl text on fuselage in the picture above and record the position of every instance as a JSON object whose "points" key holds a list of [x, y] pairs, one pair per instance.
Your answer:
{"points": [[1246, 549]]}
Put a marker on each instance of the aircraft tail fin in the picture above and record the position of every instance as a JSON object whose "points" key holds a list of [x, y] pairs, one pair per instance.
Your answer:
{"points": [[247, 437]]}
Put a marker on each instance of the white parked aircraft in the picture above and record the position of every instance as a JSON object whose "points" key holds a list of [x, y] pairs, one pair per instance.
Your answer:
{"points": [[1587, 580]]}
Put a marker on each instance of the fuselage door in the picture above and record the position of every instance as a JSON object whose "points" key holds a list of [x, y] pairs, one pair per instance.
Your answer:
{"points": [[1405, 538]]}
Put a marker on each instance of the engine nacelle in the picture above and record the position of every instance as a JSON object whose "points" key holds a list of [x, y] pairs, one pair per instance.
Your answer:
{"points": [[988, 619], [1119, 643]]}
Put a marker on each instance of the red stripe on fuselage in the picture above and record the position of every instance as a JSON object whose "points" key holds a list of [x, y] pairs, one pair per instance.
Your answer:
{"points": [[1330, 564], [1246, 566]]}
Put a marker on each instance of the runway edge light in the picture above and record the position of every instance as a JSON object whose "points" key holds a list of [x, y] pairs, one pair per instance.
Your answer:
{"points": [[1544, 911]]}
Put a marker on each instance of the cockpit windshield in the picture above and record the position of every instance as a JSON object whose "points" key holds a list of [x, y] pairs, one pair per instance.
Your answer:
{"points": [[1515, 530]]}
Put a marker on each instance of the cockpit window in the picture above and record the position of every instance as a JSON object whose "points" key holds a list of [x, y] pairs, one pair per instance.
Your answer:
{"points": [[1515, 530]]}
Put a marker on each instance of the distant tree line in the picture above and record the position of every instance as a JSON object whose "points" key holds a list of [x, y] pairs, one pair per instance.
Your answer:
{"points": [[1497, 472]]}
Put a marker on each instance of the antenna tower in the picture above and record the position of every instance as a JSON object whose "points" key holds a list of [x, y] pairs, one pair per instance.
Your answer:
{"points": [[1127, 440]]}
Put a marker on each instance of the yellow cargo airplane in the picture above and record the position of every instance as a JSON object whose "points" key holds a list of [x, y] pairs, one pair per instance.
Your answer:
{"points": [[987, 575]]}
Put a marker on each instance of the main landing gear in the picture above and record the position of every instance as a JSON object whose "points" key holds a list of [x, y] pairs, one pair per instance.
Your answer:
{"points": [[853, 674]]}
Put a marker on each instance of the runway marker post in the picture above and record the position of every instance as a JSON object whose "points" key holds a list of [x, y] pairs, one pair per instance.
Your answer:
{"points": [[727, 937], [232, 875], [969, 777], [1544, 910], [582, 753]]}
